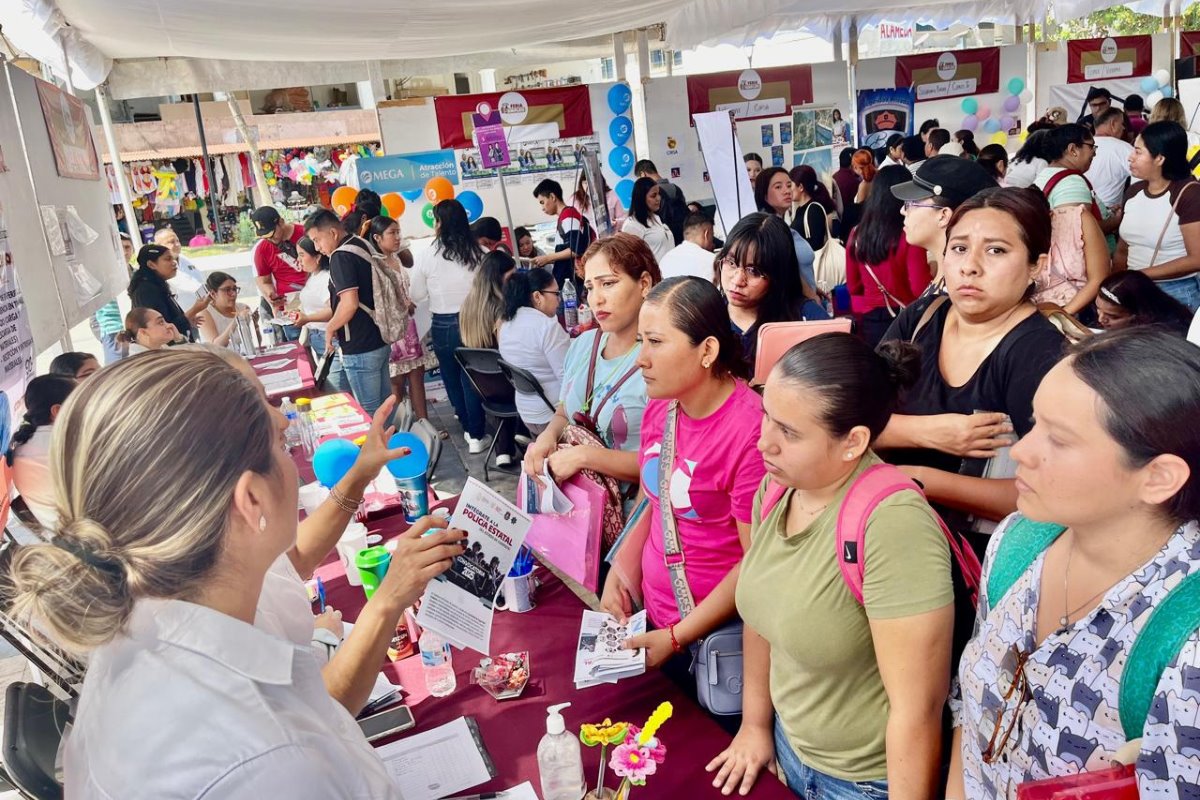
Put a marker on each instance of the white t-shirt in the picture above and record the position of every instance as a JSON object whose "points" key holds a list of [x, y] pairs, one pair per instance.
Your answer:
{"points": [[1023, 173], [314, 297], [656, 235], [1144, 221], [187, 282], [688, 258], [1110, 169], [439, 281], [535, 342], [31, 476], [190, 702]]}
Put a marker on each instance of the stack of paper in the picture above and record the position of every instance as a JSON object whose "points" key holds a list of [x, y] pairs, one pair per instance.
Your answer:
{"points": [[438, 762], [599, 656], [279, 382]]}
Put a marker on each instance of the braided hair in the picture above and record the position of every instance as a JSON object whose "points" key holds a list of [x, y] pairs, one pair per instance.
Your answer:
{"points": [[41, 396]]}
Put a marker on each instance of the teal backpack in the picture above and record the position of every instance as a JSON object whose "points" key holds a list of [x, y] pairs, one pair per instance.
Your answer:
{"points": [[1171, 621]]}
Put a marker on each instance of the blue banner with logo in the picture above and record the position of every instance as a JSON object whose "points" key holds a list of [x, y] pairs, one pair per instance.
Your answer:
{"points": [[407, 172]]}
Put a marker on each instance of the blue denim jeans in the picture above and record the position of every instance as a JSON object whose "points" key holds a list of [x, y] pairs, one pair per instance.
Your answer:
{"points": [[368, 376], [337, 375], [806, 782], [466, 401], [1185, 290]]}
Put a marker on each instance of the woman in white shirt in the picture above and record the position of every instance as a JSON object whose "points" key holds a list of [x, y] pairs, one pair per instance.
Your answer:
{"points": [[643, 221], [219, 324], [531, 338], [29, 451], [147, 329], [163, 592], [442, 277], [316, 310]]}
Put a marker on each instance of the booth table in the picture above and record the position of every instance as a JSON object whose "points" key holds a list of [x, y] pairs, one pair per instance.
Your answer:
{"points": [[271, 364], [511, 729]]}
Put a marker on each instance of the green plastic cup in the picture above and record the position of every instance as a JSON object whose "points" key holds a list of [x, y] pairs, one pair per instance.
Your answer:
{"points": [[372, 565]]}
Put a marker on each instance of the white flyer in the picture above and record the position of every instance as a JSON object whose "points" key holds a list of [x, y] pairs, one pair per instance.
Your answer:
{"points": [[459, 603]]}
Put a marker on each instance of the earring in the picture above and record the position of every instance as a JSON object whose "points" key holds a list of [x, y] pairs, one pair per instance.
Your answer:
{"points": [[706, 364], [849, 455], [262, 524]]}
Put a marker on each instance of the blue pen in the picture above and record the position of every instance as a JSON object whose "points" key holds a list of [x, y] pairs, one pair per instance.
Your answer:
{"points": [[321, 593]]}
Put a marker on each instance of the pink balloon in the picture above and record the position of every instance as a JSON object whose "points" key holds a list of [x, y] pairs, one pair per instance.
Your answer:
{"points": [[984, 112], [1012, 103], [970, 122]]}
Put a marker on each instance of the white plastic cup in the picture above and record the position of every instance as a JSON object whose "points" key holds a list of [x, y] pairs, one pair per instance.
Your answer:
{"points": [[352, 541], [312, 495]]}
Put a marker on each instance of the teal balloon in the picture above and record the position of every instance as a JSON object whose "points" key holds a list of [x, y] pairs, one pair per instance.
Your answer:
{"points": [[970, 105], [620, 129], [332, 460], [619, 98], [472, 204], [1016, 85], [624, 190], [620, 160], [413, 194]]}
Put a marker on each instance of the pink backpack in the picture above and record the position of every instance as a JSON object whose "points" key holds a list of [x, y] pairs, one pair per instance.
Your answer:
{"points": [[872, 487]]}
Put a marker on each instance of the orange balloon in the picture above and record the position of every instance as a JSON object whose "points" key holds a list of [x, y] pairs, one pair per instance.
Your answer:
{"points": [[343, 199], [439, 189], [394, 204]]}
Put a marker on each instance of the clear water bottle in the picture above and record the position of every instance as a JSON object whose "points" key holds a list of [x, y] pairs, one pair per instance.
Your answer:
{"points": [[585, 315], [437, 663], [268, 336], [570, 305], [292, 436], [308, 425]]}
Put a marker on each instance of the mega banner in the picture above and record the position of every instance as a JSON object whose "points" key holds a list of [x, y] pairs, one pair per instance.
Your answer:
{"points": [[528, 115], [751, 93], [1111, 57], [882, 112], [406, 173], [957, 73]]}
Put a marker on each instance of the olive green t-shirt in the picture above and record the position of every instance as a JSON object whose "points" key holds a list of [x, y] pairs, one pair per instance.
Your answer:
{"points": [[825, 683]]}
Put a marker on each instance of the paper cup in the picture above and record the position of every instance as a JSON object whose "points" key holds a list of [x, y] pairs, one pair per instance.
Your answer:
{"points": [[353, 541], [372, 565], [312, 495]]}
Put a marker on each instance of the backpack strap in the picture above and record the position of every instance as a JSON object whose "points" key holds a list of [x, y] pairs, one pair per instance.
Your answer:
{"points": [[927, 315], [1023, 542], [1171, 623], [874, 485], [771, 496]]}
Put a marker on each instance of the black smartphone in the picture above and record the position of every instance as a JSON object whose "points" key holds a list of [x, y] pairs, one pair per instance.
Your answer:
{"points": [[385, 723]]}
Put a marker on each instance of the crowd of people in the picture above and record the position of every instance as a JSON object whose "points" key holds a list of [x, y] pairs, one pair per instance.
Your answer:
{"points": [[972, 634]]}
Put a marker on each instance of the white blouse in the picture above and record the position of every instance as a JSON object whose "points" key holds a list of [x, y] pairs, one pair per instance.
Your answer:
{"points": [[440, 281], [31, 476], [657, 235], [535, 342], [314, 297]]}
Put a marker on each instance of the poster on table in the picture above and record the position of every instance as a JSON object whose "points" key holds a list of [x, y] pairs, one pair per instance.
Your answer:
{"points": [[722, 152], [1108, 58], [958, 73], [16, 357], [820, 127], [70, 133], [407, 172], [751, 93], [459, 603], [883, 112], [528, 115]]}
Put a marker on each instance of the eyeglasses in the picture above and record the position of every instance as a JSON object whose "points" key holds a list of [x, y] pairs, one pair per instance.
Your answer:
{"points": [[916, 204], [1089, 144], [547, 291], [751, 272], [1012, 683], [230, 289]]}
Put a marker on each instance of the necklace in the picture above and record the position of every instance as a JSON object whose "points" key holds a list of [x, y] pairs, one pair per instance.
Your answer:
{"points": [[618, 369], [1064, 621]]}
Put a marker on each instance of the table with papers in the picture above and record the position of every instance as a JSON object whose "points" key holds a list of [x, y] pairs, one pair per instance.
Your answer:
{"points": [[285, 371]]}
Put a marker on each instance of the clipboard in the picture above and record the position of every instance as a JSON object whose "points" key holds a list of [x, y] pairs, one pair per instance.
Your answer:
{"points": [[323, 367]]}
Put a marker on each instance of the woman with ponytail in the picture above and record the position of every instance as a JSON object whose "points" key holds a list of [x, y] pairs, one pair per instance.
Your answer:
{"points": [[842, 696], [29, 450], [531, 338]]}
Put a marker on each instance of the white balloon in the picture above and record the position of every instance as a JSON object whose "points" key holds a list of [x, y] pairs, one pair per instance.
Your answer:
{"points": [[1026, 97], [1153, 98], [1162, 76]]}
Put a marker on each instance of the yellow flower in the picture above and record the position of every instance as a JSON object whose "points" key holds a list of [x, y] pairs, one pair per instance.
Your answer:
{"points": [[607, 732], [660, 715]]}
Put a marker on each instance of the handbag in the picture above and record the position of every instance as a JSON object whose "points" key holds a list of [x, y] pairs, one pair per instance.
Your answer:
{"points": [[888, 297], [829, 267], [571, 542], [717, 658], [409, 346]]}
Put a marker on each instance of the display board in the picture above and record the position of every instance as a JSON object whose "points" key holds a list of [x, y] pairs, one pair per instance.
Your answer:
{"points": [[29, 181]]}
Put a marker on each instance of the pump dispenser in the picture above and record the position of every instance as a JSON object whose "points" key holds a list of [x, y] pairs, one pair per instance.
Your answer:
{"points": [[560, 760]]}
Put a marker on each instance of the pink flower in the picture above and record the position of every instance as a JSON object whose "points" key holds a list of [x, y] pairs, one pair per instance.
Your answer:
{"points": [[633, 762], [657, 750]]}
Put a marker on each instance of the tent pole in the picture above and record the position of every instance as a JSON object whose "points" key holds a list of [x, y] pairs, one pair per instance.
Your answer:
{"points": [[507, 210], [110, 137], [208, 167], [262, 192], [852, 74]]}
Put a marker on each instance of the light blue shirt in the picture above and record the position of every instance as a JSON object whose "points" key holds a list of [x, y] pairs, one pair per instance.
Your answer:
{"points": [[806, 257]]}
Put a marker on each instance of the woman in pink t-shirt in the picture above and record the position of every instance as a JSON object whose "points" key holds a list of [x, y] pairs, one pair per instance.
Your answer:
{"points": [[691, 360]]}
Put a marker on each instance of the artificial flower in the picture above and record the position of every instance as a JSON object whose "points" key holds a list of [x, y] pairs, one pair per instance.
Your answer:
{"points": [[660, 715], [633, 762], [657, 750], [607, 732]]}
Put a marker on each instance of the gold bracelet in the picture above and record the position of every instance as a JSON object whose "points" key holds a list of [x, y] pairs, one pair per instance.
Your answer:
{"points": [[343, 502]]}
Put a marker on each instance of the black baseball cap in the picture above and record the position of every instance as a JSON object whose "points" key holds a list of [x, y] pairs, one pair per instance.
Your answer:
{"points": [[266, 219], [951, 178]]}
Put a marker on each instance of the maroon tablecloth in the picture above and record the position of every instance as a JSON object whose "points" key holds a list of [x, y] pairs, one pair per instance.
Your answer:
{"points": [[511, 729], [297, 354]]}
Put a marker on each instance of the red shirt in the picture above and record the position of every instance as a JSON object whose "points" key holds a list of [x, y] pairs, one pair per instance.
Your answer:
{"points": [[279, 261], [905, 274]]}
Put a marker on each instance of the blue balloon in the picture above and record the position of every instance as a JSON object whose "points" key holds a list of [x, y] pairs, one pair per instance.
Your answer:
{"points": [[1149, 84], [413, 194], [620, 159], [619, 98], [332, 460], [620, 129], [624, 190], [472, 204], [412, 464], [1167, 91], [991, 126]]}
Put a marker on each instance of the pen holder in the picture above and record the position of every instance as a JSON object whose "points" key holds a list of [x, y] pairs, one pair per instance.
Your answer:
{"points": [[516, 593]]}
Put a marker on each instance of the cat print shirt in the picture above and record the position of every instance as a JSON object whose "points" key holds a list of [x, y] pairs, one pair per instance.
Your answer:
{"points": [[1071, 723]]}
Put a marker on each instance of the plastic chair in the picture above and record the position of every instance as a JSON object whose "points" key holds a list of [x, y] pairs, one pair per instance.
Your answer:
{"points": [[525, 382], [34, 722], [423, 429], [499, 398]]}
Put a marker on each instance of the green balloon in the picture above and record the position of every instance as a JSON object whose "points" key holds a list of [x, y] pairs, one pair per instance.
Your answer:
{"points": [[970, 105], [383, 212], [1016, 85], [427, 214]]}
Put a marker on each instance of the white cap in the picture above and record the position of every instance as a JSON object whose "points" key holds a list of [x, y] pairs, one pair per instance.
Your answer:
{"points": [[555, 724]]}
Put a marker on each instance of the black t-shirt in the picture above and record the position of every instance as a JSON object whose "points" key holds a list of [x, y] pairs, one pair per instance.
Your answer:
{"points": [[1005, 381], [814, 213], [349, 271], [148, 289]]}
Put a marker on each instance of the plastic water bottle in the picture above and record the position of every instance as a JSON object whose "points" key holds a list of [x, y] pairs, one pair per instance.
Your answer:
{"points": [[308, 425], [570, 305], [438, 664], [560, 762], [293, 437], [268, 336], [585, 315]]}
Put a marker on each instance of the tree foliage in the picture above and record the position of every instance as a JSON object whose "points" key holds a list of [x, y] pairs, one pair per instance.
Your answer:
{"points": [[1120, 21]]}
